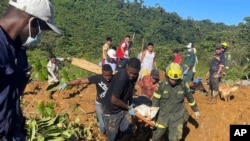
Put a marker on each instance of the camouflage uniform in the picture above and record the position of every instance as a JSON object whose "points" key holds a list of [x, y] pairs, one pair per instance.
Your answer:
{"points": [[189, 62], [172, 113]]}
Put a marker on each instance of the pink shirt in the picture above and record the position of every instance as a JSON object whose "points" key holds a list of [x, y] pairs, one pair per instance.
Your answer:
{"points": [[147, 86]]}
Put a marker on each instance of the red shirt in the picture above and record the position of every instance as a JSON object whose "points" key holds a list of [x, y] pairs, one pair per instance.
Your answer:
{"points": [[119, 52], [177, 59]]}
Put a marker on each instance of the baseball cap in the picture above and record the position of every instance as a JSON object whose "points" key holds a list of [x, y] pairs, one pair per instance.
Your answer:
{"points": [[189, 45], [218, 46], [41, 9], [155, 74]]}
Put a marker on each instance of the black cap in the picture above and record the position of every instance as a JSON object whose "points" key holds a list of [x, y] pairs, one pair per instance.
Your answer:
{"points": [[218, 46], [155, 74]]}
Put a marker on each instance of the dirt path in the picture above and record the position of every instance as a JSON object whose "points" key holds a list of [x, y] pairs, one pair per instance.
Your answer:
{"points": [[213, 124]]}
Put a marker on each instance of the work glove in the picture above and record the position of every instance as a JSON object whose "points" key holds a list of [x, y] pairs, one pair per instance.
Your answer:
{"points": [[131, 110], [62, 86], [185, 72], [197, 80], [197, 114]]}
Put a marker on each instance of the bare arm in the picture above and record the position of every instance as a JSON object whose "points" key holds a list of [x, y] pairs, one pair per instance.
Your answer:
{"points": [[155, 64], [142, 56], [219, 70], [78, 82], [116, 101]]}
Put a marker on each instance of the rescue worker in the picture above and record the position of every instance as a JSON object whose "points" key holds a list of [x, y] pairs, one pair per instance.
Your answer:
{"points": [[122, 50], [148, 60], [102, 83], [227, 57], [117, 105], [53, 68], [189, 64], [216, 66], [105, 48], [111, 59], [20, 28], [170, 98], [177, 57], [225, 53]]}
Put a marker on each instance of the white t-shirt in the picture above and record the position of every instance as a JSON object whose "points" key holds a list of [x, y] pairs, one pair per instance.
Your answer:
{"points": [[148, 60]]}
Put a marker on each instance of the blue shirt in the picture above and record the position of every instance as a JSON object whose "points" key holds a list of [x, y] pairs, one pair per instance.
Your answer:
{"points": [[217, 60], [12, 83]]}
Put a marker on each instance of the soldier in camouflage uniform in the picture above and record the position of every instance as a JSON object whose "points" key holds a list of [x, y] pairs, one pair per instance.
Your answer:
{"points": [[189, 63], [170, 98]]}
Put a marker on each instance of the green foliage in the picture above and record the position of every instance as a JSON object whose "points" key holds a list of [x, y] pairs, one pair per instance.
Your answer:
{"points": [[46, 110], [86, 23], [56, 128], [38, 60], [233, 74]]}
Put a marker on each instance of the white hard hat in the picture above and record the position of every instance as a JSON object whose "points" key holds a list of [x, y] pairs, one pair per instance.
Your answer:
{"points": [[189, 45], [112, 53]]}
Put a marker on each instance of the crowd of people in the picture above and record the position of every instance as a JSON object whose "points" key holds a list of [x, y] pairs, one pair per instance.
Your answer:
{"points": [[22, 25]]}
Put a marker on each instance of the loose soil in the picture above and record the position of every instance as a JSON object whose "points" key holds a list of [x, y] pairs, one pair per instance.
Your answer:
{"points": [[212, 125]]}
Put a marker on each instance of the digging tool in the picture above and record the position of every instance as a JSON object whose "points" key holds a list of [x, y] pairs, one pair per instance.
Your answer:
{"points": [[142, 46]]}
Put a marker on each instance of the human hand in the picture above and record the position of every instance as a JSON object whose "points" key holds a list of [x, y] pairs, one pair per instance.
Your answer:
{"points": [[62, 86], [216, 76], [131, 111], [197, 80], [197, 114], [185, 72]]}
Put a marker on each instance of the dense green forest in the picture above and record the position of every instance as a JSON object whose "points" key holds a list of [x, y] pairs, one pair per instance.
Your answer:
{"points": [[85, 24]]}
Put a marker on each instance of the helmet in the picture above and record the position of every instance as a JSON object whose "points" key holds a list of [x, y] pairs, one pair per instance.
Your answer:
{"points": [[111, 53], [174, 71], [224, 44]]}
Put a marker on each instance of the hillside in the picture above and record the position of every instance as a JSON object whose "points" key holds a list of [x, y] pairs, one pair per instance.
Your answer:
{"points": [[213, 124]]}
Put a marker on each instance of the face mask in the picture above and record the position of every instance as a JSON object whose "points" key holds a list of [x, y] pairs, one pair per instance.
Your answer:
{"points": [[30, 40]]}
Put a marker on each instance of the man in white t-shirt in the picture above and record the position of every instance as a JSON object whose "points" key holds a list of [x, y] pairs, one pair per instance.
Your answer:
{"points": [[148, 61]]}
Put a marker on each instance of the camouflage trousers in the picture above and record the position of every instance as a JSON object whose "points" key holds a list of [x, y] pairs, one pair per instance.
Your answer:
{"points": [[175, 130], [118, 123], [189, 76]]}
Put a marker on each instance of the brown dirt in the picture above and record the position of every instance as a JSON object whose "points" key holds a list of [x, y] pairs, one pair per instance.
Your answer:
{"points": [[213, 124]]}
